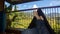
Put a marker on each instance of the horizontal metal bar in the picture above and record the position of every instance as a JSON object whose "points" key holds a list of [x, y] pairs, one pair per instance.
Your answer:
{"points": [[36, 8], [41, 8]]}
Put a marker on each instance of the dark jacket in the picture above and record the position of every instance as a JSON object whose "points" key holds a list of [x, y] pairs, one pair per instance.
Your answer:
{"points": [[33, 24]]}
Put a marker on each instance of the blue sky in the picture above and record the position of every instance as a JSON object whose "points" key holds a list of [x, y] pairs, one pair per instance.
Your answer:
{"points": [[43, 3], [38, 3]]}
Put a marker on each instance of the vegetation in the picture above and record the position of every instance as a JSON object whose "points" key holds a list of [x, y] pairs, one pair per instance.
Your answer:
{"points": [[22, 20], [17, 19], [54, 24]]}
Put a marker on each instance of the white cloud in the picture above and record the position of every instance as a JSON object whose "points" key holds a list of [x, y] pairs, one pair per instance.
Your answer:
{"points": [[35, 6], [54, 3]]}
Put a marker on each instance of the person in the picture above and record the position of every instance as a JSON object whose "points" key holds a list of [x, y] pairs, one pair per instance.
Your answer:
{"points": [[39, 24], [35, 13]]}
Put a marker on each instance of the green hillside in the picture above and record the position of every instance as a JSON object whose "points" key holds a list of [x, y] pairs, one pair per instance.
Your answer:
{"points": [[22, 19]]}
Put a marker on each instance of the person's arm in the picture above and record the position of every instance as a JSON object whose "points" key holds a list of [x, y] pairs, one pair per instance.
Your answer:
{"points": [[41, 18], [36, 14]]}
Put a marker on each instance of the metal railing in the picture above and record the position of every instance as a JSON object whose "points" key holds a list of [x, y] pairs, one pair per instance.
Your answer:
{"points": [[52, 14]]}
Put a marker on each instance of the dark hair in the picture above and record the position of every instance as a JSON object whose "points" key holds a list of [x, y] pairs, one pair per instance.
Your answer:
{"points": [[40, 13]]}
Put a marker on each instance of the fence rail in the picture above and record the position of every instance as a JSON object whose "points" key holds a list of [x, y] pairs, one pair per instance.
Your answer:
{"points": [[36, 8], [52, 14]]}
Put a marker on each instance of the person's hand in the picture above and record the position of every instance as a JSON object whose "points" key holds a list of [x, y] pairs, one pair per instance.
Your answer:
{"points": [[35, 13], [41, 18]]}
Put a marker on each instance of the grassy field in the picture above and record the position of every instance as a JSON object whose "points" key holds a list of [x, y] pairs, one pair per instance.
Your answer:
{"points": [[23, 20], [54, 24], [23, 23]]}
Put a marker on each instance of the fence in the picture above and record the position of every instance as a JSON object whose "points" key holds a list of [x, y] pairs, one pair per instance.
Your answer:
{"points": [[53, 17], [52, 14]]}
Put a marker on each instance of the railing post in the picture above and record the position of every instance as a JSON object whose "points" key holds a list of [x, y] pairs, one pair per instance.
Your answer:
{"points": [[2, 22]]}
